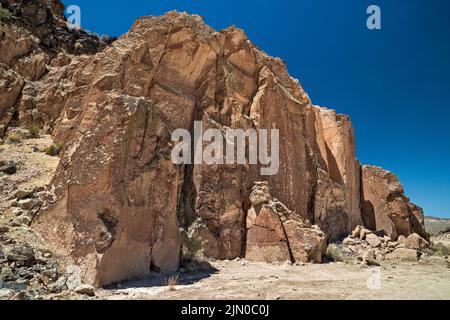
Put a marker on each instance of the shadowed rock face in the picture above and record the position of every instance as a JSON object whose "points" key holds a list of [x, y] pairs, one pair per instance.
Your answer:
{"points": [[118, 200]]}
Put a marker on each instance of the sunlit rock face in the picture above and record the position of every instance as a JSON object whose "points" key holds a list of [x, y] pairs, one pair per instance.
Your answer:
{"points": [[118, 200], [385, 208]]}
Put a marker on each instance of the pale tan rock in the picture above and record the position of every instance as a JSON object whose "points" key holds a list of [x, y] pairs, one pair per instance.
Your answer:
{"points": [[306, 244], [364, 232], [403, 255], [356, 233], [401, 240], [85, 289], [414, 241], [266, 238], [271, 225], [373, 240], [384, 206], [338, 151]]}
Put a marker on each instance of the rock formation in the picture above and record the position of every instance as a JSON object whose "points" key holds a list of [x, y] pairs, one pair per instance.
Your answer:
{"points": [[274, 233], [118, 201], [385, 207], [32, 36]]}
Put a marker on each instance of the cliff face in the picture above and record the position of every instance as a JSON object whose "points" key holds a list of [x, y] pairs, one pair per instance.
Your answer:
{"points": [[119, 201], [385, 207], [34, 39]]}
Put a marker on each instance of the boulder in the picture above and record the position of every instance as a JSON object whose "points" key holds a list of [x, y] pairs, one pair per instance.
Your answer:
{"points": [[85, 289], [385, 208], [414, 241], [373, 240], [276, 234], [403, 255], [266, 238], [306, 244]]}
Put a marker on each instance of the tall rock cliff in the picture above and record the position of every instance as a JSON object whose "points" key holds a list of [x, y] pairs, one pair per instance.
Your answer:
{"points": [[118, 200]]}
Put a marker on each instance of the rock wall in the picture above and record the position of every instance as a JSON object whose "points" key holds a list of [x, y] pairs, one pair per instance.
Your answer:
{"points": [[118, 201], [385, 208], [34, 39], [274, 233]]}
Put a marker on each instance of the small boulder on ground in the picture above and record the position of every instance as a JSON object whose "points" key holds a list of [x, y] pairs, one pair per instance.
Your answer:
{"points": [[85, 290], [414, 241], [403, 255]]}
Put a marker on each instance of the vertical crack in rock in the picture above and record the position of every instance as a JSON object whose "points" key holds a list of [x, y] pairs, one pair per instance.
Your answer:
{"points": [[120, 201], [277, 234]]}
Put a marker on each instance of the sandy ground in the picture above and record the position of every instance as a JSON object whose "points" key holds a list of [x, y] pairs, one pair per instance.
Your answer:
{"points": [[260, 281]]}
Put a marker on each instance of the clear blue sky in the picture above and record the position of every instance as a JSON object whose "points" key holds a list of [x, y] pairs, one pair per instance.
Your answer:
{"points": [[394, 83]]}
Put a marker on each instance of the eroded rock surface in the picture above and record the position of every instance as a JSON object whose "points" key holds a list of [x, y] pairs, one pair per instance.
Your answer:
{"points": [[117, 202], [385, 208], [277, 234]]}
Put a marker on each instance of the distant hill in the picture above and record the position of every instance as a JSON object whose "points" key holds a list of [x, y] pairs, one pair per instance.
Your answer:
{"points": [[435, 225]]}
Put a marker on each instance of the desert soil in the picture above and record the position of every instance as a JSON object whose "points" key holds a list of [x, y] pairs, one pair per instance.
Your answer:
{"points": [[242, 280]]}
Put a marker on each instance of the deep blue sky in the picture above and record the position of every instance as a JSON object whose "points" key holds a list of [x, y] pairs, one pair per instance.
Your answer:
{"points": [[394, 83]]}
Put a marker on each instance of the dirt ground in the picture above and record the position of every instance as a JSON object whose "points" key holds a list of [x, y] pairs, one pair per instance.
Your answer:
{"points": [[242, 280]]}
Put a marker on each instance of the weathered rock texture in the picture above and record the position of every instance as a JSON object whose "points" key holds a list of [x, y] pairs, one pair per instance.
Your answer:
{"points": [[118, 199], [34, 39], [385, 207], [277, 234]]}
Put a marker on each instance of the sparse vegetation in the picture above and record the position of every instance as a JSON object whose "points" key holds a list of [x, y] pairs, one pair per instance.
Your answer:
{"points": [[33, 129], [172, 282], [440, 250], [54, 150], [5, 13], [14, 138], [334, 254], [193, 246]]}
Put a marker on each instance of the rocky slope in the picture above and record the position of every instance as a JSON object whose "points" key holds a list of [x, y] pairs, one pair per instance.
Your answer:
{"points": [[117, 202]]}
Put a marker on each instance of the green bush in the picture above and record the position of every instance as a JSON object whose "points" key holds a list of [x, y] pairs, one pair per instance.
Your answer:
{"points": [[33, 129], [54, 150]]}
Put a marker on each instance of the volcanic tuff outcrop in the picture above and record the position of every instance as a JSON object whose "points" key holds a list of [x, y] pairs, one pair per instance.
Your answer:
{"points": [[119, 201]]}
